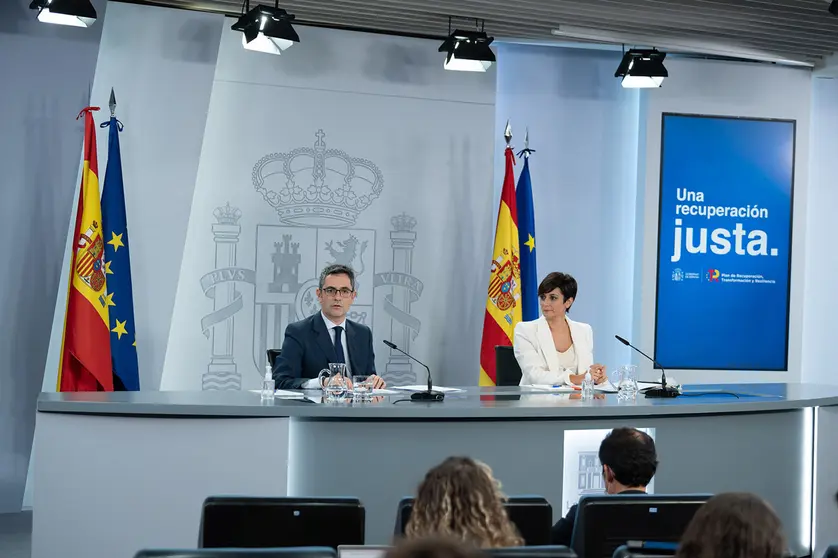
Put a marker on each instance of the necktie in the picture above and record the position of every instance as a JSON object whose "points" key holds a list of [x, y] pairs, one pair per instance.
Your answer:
{"points": [[339, 345]]}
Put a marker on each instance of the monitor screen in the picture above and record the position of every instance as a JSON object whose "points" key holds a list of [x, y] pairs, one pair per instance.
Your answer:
{"points": [[604, 523], [258, 523], [724, 243]]}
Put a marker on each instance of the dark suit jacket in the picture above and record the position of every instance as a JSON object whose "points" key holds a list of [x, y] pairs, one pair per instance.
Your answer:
{"points": [[308, 349], [562, 531]]}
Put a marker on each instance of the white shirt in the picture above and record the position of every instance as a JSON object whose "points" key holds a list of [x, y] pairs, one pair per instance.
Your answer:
{"points": [[567, 359], [314, 383]]}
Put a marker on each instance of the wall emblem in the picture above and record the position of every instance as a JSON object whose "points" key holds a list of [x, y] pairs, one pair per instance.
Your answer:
{"points": [[318, 194]]}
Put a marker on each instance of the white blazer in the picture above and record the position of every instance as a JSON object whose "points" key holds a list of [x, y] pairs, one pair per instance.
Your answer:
{"points": [[536, 353]]}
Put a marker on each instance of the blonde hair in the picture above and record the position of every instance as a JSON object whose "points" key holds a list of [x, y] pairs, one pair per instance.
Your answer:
{"points": [[460, 499]]}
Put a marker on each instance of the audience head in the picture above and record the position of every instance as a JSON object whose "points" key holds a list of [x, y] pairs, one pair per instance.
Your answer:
{"points": [[556, 294], [460, 499], [734, 525], [629, 460], [432, 548]]}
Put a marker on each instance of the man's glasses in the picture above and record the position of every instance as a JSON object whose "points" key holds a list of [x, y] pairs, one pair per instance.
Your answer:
{"points": [[344, 292]]}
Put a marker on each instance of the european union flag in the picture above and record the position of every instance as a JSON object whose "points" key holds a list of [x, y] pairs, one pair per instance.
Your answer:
{"points": [[120, 298], [526, 241]]}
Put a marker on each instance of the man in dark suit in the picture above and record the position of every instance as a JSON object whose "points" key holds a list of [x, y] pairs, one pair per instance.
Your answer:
{"points": [[310, 345], [629, 462]]}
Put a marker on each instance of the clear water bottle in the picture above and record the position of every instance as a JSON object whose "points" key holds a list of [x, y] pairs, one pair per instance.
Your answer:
{"points": [[587, 387], [268, 384]]}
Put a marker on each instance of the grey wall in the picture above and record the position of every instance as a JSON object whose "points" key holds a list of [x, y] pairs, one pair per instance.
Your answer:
{"points": [[47, 72], [821, 303]]}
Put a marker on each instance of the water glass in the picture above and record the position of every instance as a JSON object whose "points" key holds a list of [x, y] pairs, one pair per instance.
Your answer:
{"points": [[627, 386], [361, 388]]}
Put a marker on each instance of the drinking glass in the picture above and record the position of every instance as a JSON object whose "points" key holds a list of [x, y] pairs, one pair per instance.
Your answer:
{"points": [[627, 386], [362, 388]]}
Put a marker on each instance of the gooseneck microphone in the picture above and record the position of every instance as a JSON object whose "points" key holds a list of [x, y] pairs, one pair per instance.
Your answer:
{"points": [[430, 394], [664, 390]]}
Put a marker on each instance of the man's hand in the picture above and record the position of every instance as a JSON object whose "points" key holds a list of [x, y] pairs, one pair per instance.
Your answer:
{"points": [[377, 382]]}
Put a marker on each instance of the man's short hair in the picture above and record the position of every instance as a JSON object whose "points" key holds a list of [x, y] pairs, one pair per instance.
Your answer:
{"points": [[631, 455], [337, 269]]}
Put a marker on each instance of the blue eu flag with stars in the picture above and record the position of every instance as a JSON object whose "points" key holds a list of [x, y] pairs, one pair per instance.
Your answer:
{"points": [[526, 241], [120, 298]]}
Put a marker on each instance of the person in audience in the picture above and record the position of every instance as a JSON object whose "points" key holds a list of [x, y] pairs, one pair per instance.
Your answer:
{"points": [[555, 350], [734, 525], [311, 344], [460, 499], [629, 462], [432, 548]]}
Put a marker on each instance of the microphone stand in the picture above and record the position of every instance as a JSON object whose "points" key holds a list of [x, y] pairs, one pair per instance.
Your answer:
{"points": [[664, 391], [421, 396]]}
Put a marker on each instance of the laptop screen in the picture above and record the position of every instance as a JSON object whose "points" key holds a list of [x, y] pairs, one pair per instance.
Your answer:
{"points": [[347, 551]]}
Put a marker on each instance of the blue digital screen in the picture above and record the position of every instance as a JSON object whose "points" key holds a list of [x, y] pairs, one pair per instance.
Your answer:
{"points": [[724, 243]]}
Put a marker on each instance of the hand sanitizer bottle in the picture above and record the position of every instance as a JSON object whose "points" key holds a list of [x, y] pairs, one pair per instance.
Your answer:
{"points": [[268, 384], [587, 387]]}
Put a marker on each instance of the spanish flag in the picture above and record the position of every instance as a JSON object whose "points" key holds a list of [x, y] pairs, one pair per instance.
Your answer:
{"points": [[85, 347], [503, 306]]}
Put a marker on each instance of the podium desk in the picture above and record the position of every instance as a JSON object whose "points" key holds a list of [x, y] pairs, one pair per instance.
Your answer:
{"points": [[116, 472]]}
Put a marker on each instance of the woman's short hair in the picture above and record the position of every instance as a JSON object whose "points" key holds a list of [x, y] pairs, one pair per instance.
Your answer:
{"points": [[460, 499], [734, 525], [557, 280]]}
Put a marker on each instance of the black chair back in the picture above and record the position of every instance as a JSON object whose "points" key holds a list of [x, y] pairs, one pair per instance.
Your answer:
{"points": [[831, 551], [273, 354], [531, 552], [532, 515], [307, 552], [243, 522], [604, 523], [507, 370]]}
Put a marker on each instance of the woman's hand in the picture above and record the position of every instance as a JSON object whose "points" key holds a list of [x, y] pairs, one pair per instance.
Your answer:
{"points": [[598, 374]]}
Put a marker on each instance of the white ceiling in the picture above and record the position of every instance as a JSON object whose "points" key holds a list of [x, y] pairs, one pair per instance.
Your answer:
{"points": [[801, 30]]}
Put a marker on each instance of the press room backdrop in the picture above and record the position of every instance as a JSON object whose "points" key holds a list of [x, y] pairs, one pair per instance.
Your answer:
{"points": [[175, 77], [353, 149]]}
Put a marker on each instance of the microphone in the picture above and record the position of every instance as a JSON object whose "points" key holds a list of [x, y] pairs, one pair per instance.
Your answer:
{"points": [[430, 394], [664, 390]]}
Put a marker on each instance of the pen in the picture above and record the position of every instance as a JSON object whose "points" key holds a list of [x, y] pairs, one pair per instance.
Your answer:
{"points": [[562, 385]]}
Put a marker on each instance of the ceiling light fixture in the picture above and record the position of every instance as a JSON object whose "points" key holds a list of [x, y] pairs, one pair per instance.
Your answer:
{"points": [[76, 13], [468, 51], [266, 29], [642, 68]]}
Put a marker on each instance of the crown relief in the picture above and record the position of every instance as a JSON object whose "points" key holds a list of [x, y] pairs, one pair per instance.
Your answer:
{"points": [[316, 185], [227, 215]]}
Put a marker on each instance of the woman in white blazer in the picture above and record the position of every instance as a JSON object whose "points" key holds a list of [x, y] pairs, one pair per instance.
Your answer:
{"points": [[553, 349]]}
